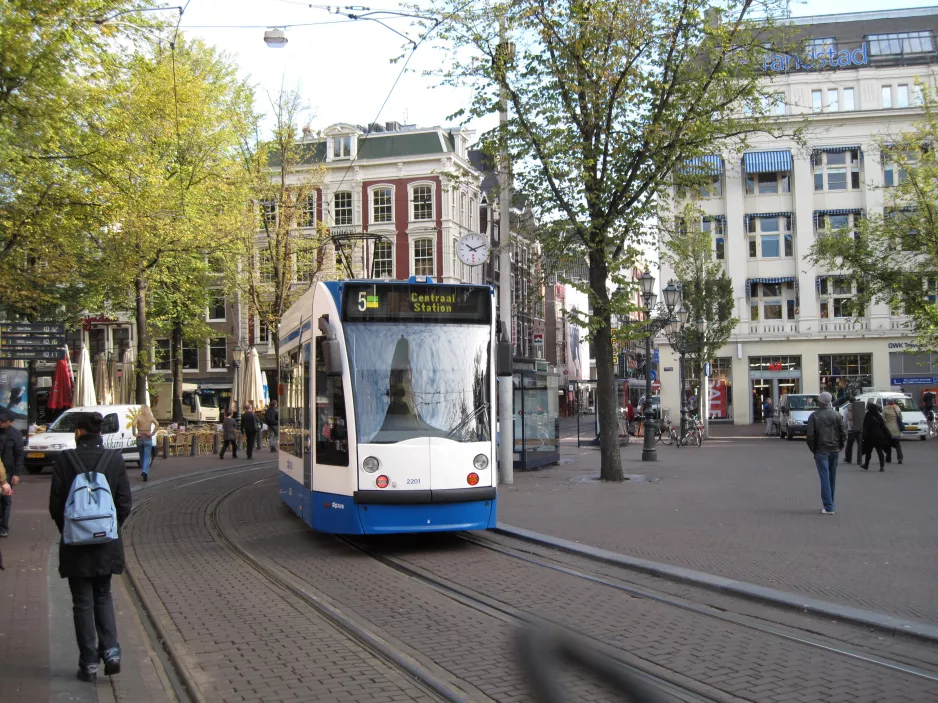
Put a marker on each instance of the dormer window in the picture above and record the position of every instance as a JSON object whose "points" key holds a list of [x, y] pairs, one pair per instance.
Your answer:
{"points": [[342, 147]]}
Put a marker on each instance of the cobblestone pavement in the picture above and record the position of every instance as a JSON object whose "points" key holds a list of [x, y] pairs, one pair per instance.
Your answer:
{"points": [[749, 508], [736, 661], [242, 639]]}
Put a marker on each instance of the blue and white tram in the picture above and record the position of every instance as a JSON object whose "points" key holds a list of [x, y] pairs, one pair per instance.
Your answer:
{"points": [[387, 419]]}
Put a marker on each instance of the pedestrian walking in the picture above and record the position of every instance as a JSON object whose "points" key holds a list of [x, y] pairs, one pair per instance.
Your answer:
{"points": [[144, 427], [876, 436], [272, 418], [854, 436], [892, 416], [768, 412], [249, 428], [89, 566], [229, 435], [12, 455], [5, 490], [826, 436]]}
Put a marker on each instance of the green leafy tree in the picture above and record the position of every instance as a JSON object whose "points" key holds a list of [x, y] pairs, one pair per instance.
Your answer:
{"points": [[894, 256], [166, 170], [706, 290], [606, 100], [282, 248]]}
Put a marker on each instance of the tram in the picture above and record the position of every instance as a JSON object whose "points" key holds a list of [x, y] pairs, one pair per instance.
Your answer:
{"points": [[387, 415]]}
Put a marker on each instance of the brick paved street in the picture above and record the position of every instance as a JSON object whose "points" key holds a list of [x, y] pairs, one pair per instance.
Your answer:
{"points": [[749, 509]]}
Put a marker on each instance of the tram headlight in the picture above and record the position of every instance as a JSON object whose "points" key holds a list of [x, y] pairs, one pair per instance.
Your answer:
{"points": [[481, 462], [370, 464]]}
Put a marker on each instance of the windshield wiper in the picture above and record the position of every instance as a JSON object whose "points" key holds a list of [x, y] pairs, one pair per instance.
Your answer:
{"points": [[466, 420]]}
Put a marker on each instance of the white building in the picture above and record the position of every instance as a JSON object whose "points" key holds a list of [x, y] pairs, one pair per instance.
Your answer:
{"points": [[768, 205]]}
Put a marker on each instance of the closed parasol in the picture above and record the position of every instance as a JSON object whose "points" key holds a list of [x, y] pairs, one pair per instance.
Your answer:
{"points": [[252, 390], [60, 395], [83, 393]]}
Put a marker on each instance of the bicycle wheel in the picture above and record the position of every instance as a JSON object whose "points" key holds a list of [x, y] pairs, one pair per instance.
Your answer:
{"points": [[675, 438], [698, 437]]}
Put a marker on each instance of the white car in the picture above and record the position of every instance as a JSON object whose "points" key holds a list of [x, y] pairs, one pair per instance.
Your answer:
{"points": [[916, 426], [116, 431]]}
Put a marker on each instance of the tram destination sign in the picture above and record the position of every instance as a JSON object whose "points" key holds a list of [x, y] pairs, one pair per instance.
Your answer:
{"points": [[29, 341], [32, 353], [416, 302]]}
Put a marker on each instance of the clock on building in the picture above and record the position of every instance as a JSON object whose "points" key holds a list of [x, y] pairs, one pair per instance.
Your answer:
{"points": [[473, 249]]}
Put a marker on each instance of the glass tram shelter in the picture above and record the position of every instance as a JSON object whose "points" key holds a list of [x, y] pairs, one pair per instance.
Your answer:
{"points": [[585, 393], [536, 425]]}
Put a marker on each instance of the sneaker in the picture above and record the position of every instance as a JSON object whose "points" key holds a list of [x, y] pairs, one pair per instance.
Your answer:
{"points": [[87, 675], [825, 511], [144, 477], [4, 532], [112, 666]]}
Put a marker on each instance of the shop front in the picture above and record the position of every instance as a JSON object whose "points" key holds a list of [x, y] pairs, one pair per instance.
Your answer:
{"points": [[844, 375], [771, 377], [914, 373]]}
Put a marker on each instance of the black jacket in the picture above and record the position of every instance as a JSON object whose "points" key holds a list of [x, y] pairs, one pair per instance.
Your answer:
{"points": [[249, 423], [875, 432], [826, 432], [85, 561], [272, 417], [11, 450]]}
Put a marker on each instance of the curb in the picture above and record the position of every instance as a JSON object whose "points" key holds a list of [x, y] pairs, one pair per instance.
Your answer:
{"points": [[765, 594]]}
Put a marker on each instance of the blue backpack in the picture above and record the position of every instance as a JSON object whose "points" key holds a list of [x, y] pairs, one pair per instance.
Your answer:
{"points": [[90, 513]]}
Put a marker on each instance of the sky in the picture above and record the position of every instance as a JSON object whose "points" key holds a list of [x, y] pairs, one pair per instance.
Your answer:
{"points": [[343, 69]]}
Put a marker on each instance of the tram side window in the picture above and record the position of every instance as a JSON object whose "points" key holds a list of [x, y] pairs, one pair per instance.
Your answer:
{"points": [[294, 398], [331, 429]]}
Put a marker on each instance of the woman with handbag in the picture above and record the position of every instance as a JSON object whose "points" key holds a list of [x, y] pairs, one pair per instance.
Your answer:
{"points": [[892, 416], [876, 435]]}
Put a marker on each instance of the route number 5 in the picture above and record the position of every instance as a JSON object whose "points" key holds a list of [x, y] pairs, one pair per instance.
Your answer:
{"points": [[362, 301]]}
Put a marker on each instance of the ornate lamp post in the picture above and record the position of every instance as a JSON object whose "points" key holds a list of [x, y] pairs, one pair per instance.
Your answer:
{"points": [[237, 356], [649, 453], [677, 332]]}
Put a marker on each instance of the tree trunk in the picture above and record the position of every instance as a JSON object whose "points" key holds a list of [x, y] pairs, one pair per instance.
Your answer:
{"points": [[275, 391], [143, 343], [178, 414], [610, 460]]}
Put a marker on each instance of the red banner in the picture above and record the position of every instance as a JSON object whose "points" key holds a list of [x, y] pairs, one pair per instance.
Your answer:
{"points": [[718, 405]]}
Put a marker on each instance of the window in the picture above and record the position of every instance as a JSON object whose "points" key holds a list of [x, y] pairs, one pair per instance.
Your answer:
{"points": [[462, 208], [306, 212], [422, 202], [900, 43], [768, 183], [902, 96], [423, 257], [715, 227], [849, 104], [918, 96], [833, 102], [218, 353], [383, 262], [342, 147], [770, 237], [331, 428], [162, 355], [818, 47], [265, 266], [268, 213], [456, 268], [713, 188], [902, 222], [342, 208], [190, 357], [837, 170], [817, 100], [772, 301], [216, 305], [473, 210], [381, 206], [833, 223], [836, 297], [263, 332], [895, 173], [308, 263], [844, 374], [887, 96], [775, 104]]}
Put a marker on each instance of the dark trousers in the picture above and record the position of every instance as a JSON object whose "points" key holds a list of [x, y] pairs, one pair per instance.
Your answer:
{"points": [[879, 453], [95, 622], [234, 448], [6, 507], [250, 441], [854, 436], [894, 443]]}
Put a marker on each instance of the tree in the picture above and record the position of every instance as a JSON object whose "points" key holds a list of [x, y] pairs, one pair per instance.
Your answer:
{"points": [[607, 98], [706, 289], [281, 248], [49, 47], [166, 171], [894, 256]]}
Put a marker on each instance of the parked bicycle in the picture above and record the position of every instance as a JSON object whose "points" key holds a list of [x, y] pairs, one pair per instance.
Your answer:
{"points": [[694, 434]]}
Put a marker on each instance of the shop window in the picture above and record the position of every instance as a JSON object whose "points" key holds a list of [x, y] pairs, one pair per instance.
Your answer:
{"points": [[837, 170], [843, 375]]}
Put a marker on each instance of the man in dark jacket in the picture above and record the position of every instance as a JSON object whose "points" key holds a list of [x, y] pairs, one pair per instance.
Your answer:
{"points": [[249, 428], [272, 418], [88, 568], [826, 436], [11, 454]]}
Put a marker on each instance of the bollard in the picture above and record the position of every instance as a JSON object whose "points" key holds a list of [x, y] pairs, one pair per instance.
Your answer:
{"points": [[216, 447], [194, 449], [258, 441], [166, 446]]}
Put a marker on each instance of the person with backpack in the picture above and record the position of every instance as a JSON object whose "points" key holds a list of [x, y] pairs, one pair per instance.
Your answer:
{"points": [[89, 501], [272, 418]]}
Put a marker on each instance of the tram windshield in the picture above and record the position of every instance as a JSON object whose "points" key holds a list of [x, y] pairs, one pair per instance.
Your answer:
{"points": [[419, 380]]}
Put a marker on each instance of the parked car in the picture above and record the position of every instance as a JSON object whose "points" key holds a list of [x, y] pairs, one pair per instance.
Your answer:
{"points": [[794, 409]]}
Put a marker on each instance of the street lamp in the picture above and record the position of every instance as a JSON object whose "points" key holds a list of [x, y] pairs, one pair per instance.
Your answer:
{"points": [[237, 356], [275, 38], [649, 453], [676, 330]]}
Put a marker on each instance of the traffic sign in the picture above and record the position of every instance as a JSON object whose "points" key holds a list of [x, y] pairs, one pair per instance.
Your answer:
{"points": [[656, 385], [654, 375]]}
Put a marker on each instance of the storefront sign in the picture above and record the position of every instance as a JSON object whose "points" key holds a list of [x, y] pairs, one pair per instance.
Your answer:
{"points": [[901, 345], [914, 380], [818, 59], [718, 406]]}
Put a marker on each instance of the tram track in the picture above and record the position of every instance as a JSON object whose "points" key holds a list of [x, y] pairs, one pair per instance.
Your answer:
{"points": [[707, 611]]}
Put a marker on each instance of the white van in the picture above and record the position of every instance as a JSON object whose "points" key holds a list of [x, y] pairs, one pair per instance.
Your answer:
{"points": [[116, 432], [916, 426], [199, 405], [794, 409]]}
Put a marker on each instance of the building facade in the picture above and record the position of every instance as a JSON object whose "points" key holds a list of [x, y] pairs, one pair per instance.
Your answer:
{"points": [[765, 208]]}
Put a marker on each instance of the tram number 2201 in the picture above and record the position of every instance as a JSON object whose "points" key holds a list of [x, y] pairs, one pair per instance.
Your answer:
{"points": [[413, 481]]}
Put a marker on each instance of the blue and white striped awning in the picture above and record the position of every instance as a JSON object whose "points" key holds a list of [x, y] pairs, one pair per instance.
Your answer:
{"points": [[755, 215], [835, 150], [767, 161], [841, 211], [783, 279], [710, 165]]}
